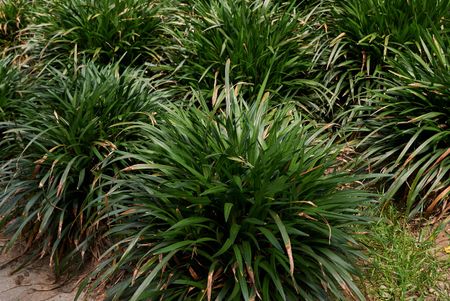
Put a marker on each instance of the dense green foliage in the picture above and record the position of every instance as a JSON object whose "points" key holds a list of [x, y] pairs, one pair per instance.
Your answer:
{"points": [[124, 140], [260, 38], [410, 135], [235, 204], [48, 185], [14, 17], [402, 265], [103, 30], [10, 77], [13, 82], [361, 37]]}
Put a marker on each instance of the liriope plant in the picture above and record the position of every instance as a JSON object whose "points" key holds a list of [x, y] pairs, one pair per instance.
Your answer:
{"points": [[410, 126], [69, 130], [361, 35], [14, 18], [235, 202], [106, 31], [260, 38]]}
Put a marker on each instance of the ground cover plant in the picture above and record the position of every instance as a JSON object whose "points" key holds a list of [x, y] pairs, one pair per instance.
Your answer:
{"points": [[259, 38], [65, 135], [234, 205], [123, 141], [402, 263], [361, 37], [105, 31], [10, 77], [374, 25], [14, 80], [410, 130], [14, 18]]}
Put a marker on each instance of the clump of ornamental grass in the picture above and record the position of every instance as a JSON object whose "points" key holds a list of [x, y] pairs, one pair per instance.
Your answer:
{"points": [[260, 38], [395, 21], [105, 31], [14, 18], [72, 125], [235, 202], [374, 25], [361, 36], [14, 80], [10, 80], [409, 127]]}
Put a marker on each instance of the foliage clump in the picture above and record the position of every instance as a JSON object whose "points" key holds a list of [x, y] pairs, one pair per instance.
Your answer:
{"points": [[66, 133], [14, 18], [410, 127], [234, 205], [105, 31], [261, 39]]}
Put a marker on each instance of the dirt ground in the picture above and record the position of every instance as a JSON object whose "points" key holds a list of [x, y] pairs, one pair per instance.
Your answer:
{"points": [[443, 242], [32, 283]]}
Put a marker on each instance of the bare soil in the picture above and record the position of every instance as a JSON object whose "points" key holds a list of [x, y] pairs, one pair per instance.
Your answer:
{"points": [[31, 283]]}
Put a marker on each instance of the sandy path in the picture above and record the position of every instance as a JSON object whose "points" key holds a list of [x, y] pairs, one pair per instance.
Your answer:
{"points": [[32, 283]]}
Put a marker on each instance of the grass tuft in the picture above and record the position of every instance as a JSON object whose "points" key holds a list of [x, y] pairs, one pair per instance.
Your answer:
{"points": [[105, 31], [402, 262], [261, 39], [67, 131], [233, 204]]}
